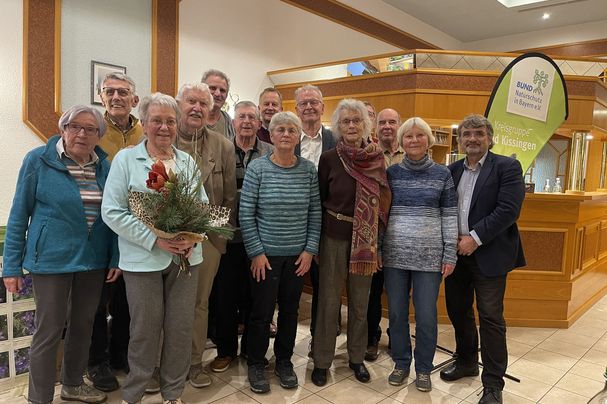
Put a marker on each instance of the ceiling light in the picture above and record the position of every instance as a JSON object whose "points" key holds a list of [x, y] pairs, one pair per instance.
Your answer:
{"points": [[545, 16]]}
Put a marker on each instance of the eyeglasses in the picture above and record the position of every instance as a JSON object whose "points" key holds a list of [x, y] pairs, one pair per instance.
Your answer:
{"points": [[347, 122], [122, 92], [157, 123], [75, 128], [305, 103]]}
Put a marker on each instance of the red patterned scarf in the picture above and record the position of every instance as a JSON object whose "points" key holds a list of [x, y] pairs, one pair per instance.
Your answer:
{"points": [[366, 165]]}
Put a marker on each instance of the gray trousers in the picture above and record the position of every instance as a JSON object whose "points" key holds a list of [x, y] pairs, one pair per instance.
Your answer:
{"points": [[61, 298], [333, 272], [160, 301]]}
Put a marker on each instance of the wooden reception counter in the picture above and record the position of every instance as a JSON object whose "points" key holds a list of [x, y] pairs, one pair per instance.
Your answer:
{"points": [[565, 242]]}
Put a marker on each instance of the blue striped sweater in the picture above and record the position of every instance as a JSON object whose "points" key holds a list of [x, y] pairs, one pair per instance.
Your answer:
{"points": [[422, 227], [280, 212]]}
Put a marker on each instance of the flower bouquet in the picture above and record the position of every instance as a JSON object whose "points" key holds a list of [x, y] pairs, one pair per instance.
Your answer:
{"points": [[175, 211]]}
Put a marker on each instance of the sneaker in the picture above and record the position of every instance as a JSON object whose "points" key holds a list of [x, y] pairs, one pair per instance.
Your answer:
{"points": [[398, 376], [257, 380], [83, 393], [176, 401], [199, 377], [102, 377], [153, 385], [221, 364], [126, 402], [284, 371], [423, 382]]}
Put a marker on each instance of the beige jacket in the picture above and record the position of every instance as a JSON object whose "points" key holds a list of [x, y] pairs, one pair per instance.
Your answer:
{"points": [[215, 157]]}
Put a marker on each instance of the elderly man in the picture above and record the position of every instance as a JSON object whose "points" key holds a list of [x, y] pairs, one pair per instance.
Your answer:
{"points": [[232, 281], [119, 97], [219, 86], [490, 192], [270, 102], [388, 122], [315, 139], [214, 155]]}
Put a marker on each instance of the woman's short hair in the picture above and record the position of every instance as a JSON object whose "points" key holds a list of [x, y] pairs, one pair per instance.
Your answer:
{"points": [[73, 111], [353, 105], [285, 118], [418, 123], [474, 121], [161, 100], [203, 87]]}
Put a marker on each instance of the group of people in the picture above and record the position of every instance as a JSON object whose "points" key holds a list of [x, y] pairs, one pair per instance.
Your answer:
{"points": [[361, 204]]}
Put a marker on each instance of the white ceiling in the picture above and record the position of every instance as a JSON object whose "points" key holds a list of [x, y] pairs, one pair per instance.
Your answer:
{"points": [[474, 20]]}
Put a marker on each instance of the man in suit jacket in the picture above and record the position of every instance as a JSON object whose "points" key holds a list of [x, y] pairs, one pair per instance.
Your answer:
{"points": [[491, 191], [315, 139], [215, 156]]}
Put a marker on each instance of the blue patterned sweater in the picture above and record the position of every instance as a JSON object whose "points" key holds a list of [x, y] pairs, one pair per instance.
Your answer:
{"points": [[280, 212], [422, 227]]}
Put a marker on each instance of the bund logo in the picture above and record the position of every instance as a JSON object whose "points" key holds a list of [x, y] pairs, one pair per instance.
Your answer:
{"points": [[541, 80]]}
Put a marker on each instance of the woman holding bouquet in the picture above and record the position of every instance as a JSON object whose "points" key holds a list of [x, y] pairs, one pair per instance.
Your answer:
{"points": [[356, 200], [159, 299], [280, 223], [56, 233]]}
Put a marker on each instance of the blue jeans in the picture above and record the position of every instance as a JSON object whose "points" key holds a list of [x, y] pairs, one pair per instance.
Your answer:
{"points": [[425, 285]]}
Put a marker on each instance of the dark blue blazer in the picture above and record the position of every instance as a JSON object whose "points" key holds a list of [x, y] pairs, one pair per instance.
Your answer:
{"points": [[328, 142], [496, 204]]}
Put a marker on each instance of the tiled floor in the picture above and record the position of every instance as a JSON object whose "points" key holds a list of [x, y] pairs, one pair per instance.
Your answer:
{"points": [[555, 366]]}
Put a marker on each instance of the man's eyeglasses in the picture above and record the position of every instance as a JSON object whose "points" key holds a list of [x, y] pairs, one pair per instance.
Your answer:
{"points": [[74, 129], [305, 103], [157, 123], [122, 92]]}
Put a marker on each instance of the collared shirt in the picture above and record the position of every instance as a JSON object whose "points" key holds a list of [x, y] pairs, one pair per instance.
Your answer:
{"points": [[311, 147], [63, 154], [465, 189], [394, 158]]}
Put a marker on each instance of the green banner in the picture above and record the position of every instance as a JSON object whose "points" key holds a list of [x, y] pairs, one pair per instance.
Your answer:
{"points": [[528, 103]]}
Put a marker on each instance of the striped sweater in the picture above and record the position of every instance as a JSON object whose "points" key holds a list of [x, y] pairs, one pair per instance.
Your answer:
{"points": [[422, 227], [280, 212]]}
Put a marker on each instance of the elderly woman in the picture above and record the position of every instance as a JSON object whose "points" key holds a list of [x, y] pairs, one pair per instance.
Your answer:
{"points": [[159, 299], [56, 233], [419, 248], [353, 190], [280, 224]]}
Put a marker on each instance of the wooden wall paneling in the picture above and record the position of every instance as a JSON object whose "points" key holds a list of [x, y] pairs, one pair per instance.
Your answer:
{"points": [[593, 165], [603, 240], [540, 248], [590, 245], [594, 48], [579, 242]]}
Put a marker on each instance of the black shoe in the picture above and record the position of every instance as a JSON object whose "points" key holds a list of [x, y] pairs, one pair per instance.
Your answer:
{"points": [[319, 377], [360, 372], [372, 352], [456, 371], [491, 396], [102, 377]]}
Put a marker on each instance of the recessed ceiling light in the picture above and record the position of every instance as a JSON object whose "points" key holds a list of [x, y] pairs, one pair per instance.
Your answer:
{"points": [[545, 16]]}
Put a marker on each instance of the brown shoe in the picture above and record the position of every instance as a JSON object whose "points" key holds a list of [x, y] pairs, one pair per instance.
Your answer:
{"points": [[221, 364]]}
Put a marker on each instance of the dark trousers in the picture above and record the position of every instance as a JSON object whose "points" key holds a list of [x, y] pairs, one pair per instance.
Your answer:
{"points": [[231, 293], [314, 281], [460, 289], [282, 285], [111, 345], [374, 309]]}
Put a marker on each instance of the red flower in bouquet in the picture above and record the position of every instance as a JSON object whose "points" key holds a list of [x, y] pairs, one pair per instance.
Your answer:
{"points": [[157, 177]]}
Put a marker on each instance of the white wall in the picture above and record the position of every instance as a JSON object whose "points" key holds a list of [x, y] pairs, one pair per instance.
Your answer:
{"points": [[93, 30], [16, 139], [245, 39]]}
